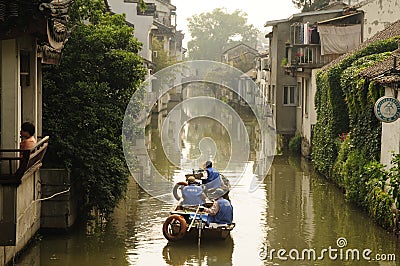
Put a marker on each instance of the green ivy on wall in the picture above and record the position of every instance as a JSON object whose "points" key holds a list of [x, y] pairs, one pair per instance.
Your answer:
{"points": [[383, 193], [344, 103]]}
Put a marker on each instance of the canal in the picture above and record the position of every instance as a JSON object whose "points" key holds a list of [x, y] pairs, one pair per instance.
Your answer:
{"points": [[295, 217]]}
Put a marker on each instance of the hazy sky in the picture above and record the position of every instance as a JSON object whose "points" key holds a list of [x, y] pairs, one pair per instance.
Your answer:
{"points": [[258, 11]]}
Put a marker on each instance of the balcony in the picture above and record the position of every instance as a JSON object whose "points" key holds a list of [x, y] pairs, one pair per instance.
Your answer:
{"points": [[23, 161], [313, 45], [307, 56]]}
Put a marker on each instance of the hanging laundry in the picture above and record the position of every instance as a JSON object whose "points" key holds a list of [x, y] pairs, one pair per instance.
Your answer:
{"points": [[339, 40]]}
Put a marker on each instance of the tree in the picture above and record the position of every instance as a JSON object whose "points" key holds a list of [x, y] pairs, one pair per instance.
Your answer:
{"points": [[213, 33], [84, 101], [310, 5]]}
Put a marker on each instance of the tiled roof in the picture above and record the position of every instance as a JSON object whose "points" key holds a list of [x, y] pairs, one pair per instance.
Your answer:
{"points": [[247, 47], [383, 67], [390, 31], [162, 28], [389, 79]]}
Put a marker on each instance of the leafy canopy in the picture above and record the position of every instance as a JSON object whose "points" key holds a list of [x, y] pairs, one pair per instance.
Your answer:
{"points": [[213, 33], [310, 5], [84, 101]]}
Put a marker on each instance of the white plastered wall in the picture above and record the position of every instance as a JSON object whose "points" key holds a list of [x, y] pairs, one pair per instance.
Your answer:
{"points": [[390, 137], [378, 15]]}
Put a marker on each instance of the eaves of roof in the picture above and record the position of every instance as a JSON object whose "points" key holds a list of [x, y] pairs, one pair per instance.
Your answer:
{"points": [[162, 28], [126, 22], [241, 44], [303, 14], [275, 22], [380, 69], [168, 4], [269, 34], [339, 18], [390, 79], [313, 13]]}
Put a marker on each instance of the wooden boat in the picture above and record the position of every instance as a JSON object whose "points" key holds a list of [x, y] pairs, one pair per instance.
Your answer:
{"points": [[190, 222]]}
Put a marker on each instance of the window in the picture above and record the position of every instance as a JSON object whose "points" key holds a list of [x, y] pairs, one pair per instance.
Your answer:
{"points": [[289, 95]]}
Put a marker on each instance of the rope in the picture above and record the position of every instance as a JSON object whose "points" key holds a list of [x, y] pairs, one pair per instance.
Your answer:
{"points": [[42, 199], [52, 196]]}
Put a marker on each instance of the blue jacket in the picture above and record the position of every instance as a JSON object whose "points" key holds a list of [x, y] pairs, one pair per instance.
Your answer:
{"points": [[225, 213], [213, 179], [192, 195]]}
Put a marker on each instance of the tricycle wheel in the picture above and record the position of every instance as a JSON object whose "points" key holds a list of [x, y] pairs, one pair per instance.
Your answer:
{"points": [[174, 227]]}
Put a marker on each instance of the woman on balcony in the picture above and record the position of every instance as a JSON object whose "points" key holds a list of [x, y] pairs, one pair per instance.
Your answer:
{"points": [[26, 133]]}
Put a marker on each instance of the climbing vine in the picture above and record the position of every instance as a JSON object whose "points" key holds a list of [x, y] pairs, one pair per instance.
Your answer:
{"points": [[344, 103], [383, 197]]}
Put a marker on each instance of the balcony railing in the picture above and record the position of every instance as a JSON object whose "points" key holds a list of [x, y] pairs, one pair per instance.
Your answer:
{"points": [[23, 161], [308, 56]]}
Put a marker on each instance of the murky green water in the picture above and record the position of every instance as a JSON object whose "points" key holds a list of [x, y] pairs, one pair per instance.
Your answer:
{"points": [[293, 212]]}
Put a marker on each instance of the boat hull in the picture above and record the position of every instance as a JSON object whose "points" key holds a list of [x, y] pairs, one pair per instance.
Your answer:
{"points": [[188, 224], [208, 233]]}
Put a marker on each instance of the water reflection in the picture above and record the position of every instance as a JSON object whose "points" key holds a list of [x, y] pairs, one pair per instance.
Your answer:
{"points": [[218, 253], [293, 209], [171, 97], [307, 212]]}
